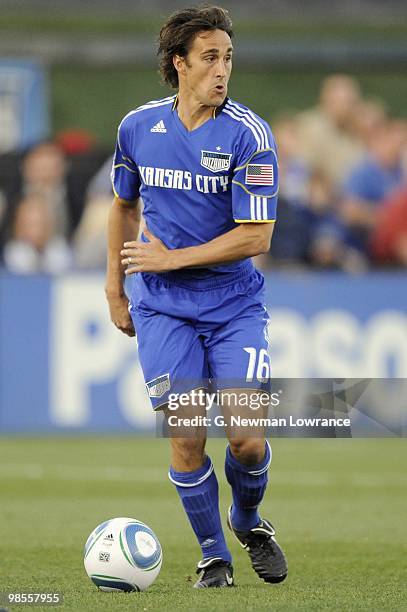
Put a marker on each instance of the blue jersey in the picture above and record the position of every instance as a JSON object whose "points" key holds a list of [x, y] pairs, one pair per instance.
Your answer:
{"points": [[196, 185]]}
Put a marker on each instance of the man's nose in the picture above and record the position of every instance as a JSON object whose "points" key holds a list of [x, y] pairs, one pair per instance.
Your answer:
{"points": [[220, 68]]}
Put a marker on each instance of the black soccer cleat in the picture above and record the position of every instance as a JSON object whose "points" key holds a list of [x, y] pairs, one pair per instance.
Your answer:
{"points": [[215, 573], [268, 560]]}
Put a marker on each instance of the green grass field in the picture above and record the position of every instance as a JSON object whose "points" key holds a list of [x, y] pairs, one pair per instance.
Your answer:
{"points": [[337, 504]]}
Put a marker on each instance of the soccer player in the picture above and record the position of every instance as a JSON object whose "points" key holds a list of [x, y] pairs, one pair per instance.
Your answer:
{"points": [[205, 168]]}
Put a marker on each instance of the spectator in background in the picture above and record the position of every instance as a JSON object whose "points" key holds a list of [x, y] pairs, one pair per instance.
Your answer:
{"points": [[290, 237], [388, 243], [371, 181], [307, 230], [35, 246], [101, 183], [325, 249], [294, 171], [89, 241], [327, 141], [368, 117], [44, 172]]}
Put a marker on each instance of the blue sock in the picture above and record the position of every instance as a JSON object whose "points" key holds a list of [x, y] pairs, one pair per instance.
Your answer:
{"points": [[248, 487], [198, 491]]}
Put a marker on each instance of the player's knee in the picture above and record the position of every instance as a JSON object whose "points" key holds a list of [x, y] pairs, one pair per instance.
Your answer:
{"points": [[248, 451], [187, 453]]}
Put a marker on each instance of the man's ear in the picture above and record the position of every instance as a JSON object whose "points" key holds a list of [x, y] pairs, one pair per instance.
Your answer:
{"points": [[179, 64]]}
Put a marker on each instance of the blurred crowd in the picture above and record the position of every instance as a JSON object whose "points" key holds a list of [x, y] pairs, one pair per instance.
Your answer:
{"points": [[342, 198], [343, 183]]}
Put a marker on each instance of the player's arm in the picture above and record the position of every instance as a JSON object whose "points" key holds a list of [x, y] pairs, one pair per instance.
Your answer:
{"points": [[246, 240], [123, 224], [254, 201]]}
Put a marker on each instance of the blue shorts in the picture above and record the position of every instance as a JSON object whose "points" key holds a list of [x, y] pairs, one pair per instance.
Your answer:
{"points": [[212, 332]]}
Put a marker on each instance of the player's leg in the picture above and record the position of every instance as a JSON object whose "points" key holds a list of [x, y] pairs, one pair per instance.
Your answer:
{"points": [[248, 456], [239, 365], [237, 355], [173, 362], [196, 483]]}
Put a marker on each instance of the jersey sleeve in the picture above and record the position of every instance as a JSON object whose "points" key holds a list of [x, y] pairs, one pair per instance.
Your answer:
{"points": [[255, 180], [125, 175]]}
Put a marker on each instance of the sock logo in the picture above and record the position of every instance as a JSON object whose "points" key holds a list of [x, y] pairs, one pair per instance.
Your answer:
{"points": [[208, 542]]}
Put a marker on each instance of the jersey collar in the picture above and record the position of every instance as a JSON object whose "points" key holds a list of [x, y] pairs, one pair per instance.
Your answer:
{"points": [[216, 111]]}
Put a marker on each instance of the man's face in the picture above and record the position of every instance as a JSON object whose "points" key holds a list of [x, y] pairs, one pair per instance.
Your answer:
{"points": [[204, 73]]}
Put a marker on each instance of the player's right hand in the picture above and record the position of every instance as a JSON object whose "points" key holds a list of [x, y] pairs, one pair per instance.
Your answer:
{"points": [[119, 314]]}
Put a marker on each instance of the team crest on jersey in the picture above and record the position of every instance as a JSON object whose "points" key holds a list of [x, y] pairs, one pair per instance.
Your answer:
{"points": [[215, 161], [158, 386]]}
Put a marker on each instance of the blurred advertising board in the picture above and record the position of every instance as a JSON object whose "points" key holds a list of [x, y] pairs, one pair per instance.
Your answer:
{"points": [[24, 104], [64, 366]]}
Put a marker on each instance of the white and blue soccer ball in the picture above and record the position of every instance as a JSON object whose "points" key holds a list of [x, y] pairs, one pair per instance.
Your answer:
{"points": [[122, 554]]}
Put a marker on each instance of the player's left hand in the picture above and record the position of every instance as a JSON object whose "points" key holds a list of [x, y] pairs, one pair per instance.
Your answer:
{"points": [[152, 256]]}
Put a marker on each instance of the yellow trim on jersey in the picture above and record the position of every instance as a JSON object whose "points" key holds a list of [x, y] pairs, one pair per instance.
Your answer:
{"points": [[254, 194], [254, 154], [254, 221], [127, 168], [128, 159], [115, 192]]}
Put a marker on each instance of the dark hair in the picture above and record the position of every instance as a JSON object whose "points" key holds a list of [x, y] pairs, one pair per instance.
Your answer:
{"points": [[179, 31]]}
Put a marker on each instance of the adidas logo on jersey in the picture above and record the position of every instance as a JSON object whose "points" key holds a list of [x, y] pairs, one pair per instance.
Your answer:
{"points": [[159, 127]]}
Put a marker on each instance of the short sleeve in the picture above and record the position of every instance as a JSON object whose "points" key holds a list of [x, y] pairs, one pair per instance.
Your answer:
{"points": [[255, 180], [125, 175]]}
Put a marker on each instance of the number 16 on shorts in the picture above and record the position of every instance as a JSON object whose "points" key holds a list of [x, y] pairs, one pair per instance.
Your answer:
{"points": [[259, 364]]}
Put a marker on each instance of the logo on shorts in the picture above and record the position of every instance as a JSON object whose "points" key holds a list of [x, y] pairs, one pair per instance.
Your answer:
{"points": [[215, 161], [158, 386]]}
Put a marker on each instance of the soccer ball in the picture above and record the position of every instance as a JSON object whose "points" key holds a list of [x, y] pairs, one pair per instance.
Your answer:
{"points": [[122, 554]]}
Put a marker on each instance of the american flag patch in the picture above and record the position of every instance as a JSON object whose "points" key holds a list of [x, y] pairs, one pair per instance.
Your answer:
{"points": [[260, 174]]}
